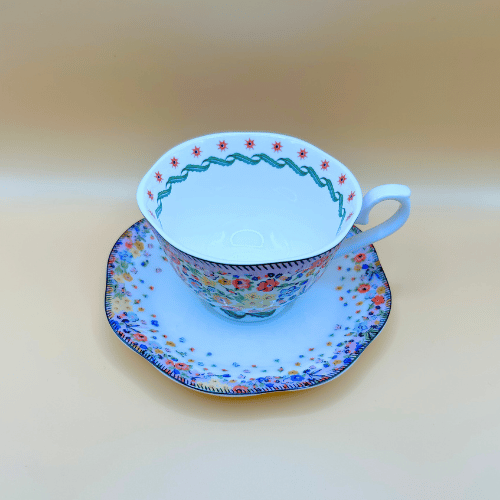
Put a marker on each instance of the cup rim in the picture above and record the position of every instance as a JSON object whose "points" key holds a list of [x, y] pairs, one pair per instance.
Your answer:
{"points": [[140, 198]]}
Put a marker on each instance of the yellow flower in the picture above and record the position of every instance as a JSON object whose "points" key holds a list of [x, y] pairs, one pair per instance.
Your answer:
{"points": [[220, 299], [328, 343], [127, 277], [357, 267], [338, 287], [170, 343], [118, 278], [297, 364], [139, 245], [118, 305], [207, 282], [360, 303], [293, 372], [381, 290], [135, 251], [158, 351], [377, 322], [224, 281], [337, 362], [141, 309]]}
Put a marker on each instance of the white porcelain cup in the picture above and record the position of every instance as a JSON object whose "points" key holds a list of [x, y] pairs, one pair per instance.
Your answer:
{"points": [[250, 220]]}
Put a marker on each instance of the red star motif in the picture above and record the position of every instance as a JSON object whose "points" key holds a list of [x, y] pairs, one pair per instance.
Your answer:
{"points": [[351, 196], [250, 144], [150, 194], [196, 151], [342, 179], [325, 164], [277, 146], [302, 154], [222, 145], [175, 162], [158, 176]]}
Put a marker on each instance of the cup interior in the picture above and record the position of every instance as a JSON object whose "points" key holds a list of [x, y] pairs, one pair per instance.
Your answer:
{"points": [[250, 198]]}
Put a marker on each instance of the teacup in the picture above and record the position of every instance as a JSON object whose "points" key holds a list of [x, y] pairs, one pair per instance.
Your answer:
{"points": [[250, 220]]}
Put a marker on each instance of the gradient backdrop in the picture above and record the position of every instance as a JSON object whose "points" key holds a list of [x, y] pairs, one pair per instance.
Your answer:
{"points": [[93, 93]]}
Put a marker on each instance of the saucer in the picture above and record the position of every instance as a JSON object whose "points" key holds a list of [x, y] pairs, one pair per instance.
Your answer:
{"points": [[320, 335]]}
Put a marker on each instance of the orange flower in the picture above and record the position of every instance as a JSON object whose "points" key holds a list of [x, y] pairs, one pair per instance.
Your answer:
{"points": [[364, 288], [360, 257], [378, 299], [240, 389]]}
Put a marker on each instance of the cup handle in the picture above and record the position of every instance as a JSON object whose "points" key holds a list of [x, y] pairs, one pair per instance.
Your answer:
{"points": [[376, 195]]}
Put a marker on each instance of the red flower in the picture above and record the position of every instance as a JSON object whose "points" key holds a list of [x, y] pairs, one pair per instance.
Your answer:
{"points": [[150, 194], [158, 176], [140, 337], [268, 285], [240, 389], [378, 299], [182, 366], [222, 145], [241, 284], [249, 144], [363, 288], [175, 162], [302, 154], [325, 164], [342, 179], [128, 244], [277, 146], [196, 151], [351, 196], [169, 362], [360, 257]]}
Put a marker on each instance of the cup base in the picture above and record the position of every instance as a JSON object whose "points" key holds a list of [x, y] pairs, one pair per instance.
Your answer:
{"points": [[247, 317]]}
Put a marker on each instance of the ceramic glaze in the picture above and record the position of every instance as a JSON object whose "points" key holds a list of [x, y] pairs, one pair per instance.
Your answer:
{"points": [[235, 207], [314, 342]]}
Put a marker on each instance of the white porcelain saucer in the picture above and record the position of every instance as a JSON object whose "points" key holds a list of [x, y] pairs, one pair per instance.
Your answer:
{"points": [[154, 313]]}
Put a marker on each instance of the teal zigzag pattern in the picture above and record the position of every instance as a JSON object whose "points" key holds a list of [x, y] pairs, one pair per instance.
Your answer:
{"points": [[254, 160]]}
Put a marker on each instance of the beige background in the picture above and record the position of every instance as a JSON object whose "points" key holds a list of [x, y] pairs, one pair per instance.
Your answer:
{"points": [[92, 93]]}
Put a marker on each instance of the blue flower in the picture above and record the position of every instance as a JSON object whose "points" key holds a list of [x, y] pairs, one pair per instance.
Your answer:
{"points": [[286, 292], [297, 378], [126, 256], [347, 361], [361, 328], [154, 322]]}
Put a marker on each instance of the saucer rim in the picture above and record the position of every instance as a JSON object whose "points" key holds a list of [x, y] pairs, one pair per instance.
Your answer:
{"points": [[184, 381]]}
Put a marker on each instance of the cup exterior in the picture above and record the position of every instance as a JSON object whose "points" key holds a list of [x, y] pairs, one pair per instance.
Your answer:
{"points": [[246, 292]]}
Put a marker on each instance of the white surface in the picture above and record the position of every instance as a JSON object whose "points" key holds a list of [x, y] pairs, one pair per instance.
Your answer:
{"points": [[250, 214]]}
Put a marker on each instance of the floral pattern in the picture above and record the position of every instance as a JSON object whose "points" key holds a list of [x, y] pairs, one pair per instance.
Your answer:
{"points": [[243, 291], [137, 262]]}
